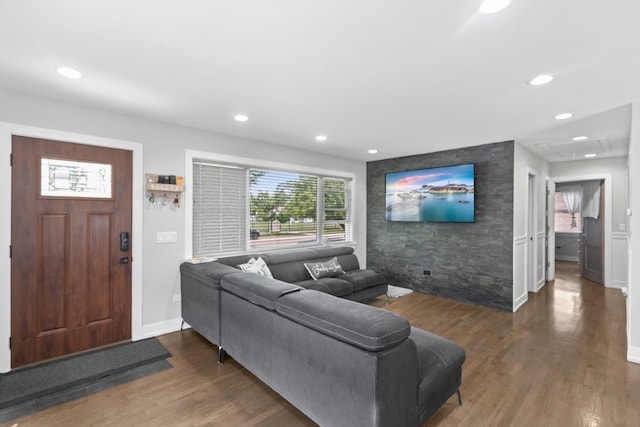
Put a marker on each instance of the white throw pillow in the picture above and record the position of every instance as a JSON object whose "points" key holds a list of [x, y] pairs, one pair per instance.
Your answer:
{"points": [[257, 266]]}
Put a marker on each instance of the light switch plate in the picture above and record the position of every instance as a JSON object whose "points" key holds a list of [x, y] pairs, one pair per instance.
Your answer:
{"points": [[166, 237]]}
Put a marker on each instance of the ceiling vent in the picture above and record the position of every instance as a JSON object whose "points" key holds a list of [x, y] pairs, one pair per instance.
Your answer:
{"points": [[570, 150]]}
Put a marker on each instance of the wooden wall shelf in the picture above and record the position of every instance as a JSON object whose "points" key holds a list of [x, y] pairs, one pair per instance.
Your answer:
{"points": [[169, 188]]}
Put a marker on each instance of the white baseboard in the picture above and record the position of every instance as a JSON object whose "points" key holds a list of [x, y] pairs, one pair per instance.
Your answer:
{"points": [[616, 284], [519, 302], [161, 328], [633, 354], [567, 258]]}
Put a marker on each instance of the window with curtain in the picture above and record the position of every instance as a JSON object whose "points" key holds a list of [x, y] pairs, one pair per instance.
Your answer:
{"points": [[243, 209], [567, 213]]}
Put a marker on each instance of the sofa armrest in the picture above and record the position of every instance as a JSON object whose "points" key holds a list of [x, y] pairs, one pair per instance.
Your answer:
{"points": [[363, 279], [206, 273], [200, 291]]}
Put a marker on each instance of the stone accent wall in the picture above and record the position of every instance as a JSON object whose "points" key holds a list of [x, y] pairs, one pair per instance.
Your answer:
{"points": [[468, 261]]}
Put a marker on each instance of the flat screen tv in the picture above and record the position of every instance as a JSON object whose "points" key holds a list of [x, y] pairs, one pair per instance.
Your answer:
{"points": [[444, 194]]}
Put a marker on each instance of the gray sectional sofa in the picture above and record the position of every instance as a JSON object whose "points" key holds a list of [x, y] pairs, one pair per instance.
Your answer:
{"points": [[340, 362]]}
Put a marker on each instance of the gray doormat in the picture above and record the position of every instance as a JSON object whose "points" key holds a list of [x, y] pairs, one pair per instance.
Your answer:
{"points": [[37, 387]]}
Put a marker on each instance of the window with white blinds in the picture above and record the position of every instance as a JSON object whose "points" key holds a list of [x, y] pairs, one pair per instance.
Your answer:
{"points": [[243, 209]]}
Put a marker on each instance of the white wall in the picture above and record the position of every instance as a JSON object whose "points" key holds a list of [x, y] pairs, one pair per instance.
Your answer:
{"points": [[527, 164], [616, 234], [164, 152], [633, 300]]}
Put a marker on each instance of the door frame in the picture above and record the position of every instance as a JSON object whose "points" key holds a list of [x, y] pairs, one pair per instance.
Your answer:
{"points": [[608, 221], [531, 249], [550, 273], [6, 132]]}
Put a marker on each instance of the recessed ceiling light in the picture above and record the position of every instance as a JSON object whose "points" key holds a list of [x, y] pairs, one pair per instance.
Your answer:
{"points": [[373, 151], [579, 138], [540, 80], [492, 6], [240, 118], [69, 72], [590, 155], [563, 116], [321, 138]]}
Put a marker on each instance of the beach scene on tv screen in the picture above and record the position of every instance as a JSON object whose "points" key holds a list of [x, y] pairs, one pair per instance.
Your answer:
{"points": [[443, 194]]}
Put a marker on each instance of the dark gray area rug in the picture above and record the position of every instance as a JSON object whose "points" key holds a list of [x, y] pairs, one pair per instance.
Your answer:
{"points": [[37, 387]]}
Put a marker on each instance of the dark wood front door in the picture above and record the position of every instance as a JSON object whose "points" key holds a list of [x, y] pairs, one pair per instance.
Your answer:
{"points": [[70, 274]]}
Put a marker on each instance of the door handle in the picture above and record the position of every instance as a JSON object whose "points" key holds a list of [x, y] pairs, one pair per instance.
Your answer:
{"points": [[124, 260]]}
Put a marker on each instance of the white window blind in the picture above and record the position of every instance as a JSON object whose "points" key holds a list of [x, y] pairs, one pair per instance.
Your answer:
{"points": [[219, 209]]}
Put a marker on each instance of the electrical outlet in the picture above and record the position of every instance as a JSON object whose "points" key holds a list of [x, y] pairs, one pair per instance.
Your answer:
{"points": [[177, 298], [426, 272]]}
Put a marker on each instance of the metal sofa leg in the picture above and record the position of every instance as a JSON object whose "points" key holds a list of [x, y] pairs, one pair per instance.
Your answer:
{"points": [[182, 325], [221, 354], [459, 397]]}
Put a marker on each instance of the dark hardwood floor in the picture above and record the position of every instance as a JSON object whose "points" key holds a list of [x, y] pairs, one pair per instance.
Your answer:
{"points": [[559, 361]]}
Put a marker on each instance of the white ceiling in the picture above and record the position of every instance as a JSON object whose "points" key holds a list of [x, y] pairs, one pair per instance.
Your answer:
{"points": [[403, 76]]}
